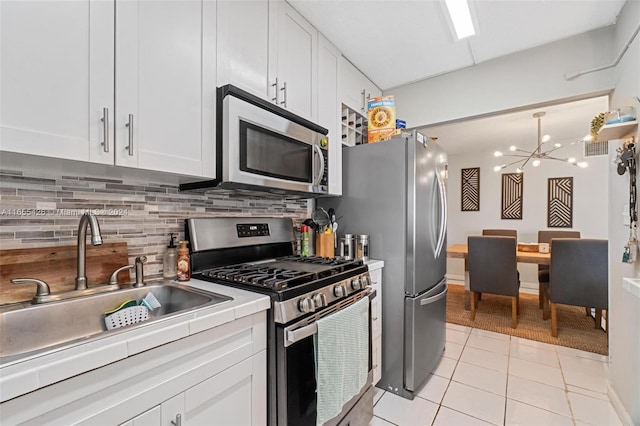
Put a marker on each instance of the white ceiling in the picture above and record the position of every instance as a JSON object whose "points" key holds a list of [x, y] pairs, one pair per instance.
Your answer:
{"points": [[565, 123], [395, 42]]}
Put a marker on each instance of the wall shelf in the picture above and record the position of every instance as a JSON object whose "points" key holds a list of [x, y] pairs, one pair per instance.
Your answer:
{"points": [[617, 131]]}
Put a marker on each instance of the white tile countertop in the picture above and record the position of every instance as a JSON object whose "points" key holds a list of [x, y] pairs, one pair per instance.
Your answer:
{"points": [[18, 377], [374, 264], [632, 285]]}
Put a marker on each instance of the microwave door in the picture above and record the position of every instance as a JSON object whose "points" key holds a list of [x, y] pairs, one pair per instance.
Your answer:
{"points": [[262, 149]]}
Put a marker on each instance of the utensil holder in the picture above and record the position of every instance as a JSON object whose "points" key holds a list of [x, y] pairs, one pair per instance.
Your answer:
{"points": [[325, 245]]}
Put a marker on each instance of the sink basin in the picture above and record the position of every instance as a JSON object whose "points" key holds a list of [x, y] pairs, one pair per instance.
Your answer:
{"points": [[37, 328]]}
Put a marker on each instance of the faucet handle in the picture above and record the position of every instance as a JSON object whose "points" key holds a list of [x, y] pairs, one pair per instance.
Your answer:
{"points": [[140, 261], [42, 290], [113, 279]]}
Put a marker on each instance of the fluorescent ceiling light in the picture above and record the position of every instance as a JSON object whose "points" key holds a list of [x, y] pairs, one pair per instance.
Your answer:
{"points": [[461, 18]]}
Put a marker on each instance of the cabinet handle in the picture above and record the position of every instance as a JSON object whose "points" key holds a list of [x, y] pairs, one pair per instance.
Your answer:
{"points": [[363, 101], [284, 89], [105, 129], [178, 421], [130, 126], [275, 91]]}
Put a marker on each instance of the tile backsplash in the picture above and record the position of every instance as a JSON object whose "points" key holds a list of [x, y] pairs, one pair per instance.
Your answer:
{"points": [[40, 210]]}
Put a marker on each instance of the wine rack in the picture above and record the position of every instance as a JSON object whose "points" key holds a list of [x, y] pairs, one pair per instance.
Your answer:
{"points": [[353, 127]]}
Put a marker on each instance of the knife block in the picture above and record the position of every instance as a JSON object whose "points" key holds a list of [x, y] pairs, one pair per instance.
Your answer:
{"points": [[325, 245]]}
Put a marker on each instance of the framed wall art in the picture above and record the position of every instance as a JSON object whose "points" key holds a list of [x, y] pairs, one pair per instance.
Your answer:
{"points": [[512, 184], [560, 202], [470, 190]]}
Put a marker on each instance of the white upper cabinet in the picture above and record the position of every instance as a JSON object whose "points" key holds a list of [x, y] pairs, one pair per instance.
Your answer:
{"points": [[165, 85], [354, 87], [243, 46], [56, 78], [296, 62], [58, 82], [270, 50], [329, 109]]}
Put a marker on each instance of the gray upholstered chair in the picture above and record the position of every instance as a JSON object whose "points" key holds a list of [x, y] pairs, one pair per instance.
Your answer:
{"points": [[501, 232], [493, 269], [543, 270], [578, 275]]}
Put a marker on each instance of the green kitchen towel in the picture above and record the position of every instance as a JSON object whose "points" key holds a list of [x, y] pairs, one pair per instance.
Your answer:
{"points": [[342, 358]]}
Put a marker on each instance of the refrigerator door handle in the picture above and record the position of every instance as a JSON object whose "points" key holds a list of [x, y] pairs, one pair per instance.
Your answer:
{"points": [[443, 216], [433, 299]]}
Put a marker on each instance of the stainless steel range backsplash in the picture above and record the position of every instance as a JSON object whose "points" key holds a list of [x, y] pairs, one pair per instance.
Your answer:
{"points": [[43, 210]]}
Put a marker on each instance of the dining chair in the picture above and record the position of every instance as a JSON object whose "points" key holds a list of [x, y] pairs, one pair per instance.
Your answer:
{"points": [[543, 270], [501, 232], [493, 269], [578, 276]]}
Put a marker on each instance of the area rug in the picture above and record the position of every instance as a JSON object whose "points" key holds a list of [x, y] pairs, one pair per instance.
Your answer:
{"points": [[575, 328]]}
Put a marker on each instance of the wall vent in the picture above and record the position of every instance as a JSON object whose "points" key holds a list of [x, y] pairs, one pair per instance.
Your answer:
{"points": [[595, 149]]}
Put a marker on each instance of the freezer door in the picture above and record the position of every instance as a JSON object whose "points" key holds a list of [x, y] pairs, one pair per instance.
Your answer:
{"points": [[426, 216], [424, 328]]}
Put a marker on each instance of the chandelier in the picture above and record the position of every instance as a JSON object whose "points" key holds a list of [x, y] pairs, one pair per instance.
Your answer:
{"points": [[535, 156]]}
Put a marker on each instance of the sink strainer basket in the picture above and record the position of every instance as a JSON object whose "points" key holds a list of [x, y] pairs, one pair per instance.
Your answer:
{"points": [[127, 316]]}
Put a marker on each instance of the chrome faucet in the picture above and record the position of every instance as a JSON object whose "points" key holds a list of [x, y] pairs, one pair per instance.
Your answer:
{"points": [[96, 240]]}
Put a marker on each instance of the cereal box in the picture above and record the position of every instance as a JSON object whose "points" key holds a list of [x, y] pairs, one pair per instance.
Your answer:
{"points": [[381, 112]]}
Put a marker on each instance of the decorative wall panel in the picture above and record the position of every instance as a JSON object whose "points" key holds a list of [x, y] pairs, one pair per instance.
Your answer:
{"points": [[512, 195], [560, 206], [470, 190]]}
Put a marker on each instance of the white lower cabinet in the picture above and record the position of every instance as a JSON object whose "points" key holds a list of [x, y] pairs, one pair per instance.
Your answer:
{"points": [[232, 397], [375, 274], [150, 417], [218, 376]]}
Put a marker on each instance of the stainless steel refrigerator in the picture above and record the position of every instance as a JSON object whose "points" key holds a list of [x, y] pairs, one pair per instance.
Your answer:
{"points": [[395, 191]]}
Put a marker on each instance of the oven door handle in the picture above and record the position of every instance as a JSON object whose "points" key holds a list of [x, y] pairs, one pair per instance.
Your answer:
{"points": [[293, 336]]}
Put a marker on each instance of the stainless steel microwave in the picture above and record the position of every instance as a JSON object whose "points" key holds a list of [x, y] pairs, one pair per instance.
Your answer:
{"points": [[263, 147]]}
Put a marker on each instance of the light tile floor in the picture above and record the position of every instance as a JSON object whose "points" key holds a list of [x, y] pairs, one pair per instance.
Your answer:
{"points": [[487, 378]]}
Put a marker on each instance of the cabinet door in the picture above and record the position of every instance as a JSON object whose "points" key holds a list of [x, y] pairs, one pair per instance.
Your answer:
{"points": [[355, 87], [377, 359], [236, 396], [165, 85], [329, 109], [243, 46], [349, 86], [296, 62], [152, 417], [173, 411], [57, 78]]}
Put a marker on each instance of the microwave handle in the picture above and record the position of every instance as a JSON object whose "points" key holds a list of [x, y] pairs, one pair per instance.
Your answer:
{"points": [[318, 177]]}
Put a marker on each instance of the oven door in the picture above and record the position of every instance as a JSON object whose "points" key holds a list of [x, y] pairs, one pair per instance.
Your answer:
{"points": [[296, 376], [264, 149]]}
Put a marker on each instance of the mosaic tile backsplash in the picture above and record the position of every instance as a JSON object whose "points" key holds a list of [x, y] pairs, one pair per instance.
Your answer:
{"points": [[44, 210]]}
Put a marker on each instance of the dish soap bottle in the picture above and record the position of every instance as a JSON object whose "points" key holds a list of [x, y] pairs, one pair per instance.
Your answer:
{"points": [[184, 263], [170, 260]]}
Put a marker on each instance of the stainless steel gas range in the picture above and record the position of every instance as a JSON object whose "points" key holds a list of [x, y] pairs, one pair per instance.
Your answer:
{"points": [[256, 254]]}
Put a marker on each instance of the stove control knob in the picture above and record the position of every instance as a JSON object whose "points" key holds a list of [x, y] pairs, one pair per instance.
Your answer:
{"points": [[320, 300], [355, 284], [339, 291], [365, 281], [306, 305]]}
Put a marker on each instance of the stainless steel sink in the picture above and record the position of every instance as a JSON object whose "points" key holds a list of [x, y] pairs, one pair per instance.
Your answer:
{"points": [[38, 328]]}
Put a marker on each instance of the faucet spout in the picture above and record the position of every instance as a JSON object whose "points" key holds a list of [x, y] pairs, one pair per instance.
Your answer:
{"points": [[90, 220]]}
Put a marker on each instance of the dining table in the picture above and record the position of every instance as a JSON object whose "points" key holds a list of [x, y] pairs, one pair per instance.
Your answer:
{"points": [[461, 251]]}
